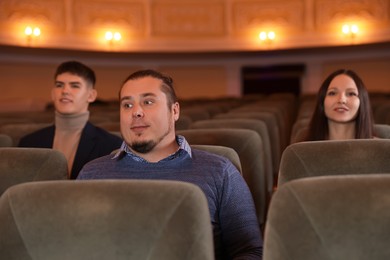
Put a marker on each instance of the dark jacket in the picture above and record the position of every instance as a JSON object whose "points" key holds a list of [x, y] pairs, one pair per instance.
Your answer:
{"points": [[94, 142]]}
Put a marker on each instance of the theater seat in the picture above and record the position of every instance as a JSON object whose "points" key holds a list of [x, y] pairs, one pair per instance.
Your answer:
{"points": [[382, 131], [247, 144], [105, 219], [224, 151], [17, 131], [5, 140], [251, 124], [183, 122], [357, 156], [330, 217], [274, 131], [301, 129], [18, 165]]}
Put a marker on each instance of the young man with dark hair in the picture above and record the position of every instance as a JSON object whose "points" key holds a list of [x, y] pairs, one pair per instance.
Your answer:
{"points": [[72, 134]]}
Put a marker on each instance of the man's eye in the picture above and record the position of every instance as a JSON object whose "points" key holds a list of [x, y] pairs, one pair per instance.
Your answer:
{"points": [[127, 105], [148, 102], [58, 85]]}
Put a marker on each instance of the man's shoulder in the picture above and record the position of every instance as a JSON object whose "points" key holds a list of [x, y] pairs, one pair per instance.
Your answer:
{"points": [[221, 161], [97, 167], [99, 162], [207, 156], [109, 158]]}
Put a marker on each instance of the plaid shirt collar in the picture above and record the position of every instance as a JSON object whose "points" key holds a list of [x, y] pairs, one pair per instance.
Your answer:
{"points": [[182, 142]]}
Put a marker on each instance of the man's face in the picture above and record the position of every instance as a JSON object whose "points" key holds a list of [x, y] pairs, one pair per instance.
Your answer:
{"points": [[72, 94], [145, 118]]}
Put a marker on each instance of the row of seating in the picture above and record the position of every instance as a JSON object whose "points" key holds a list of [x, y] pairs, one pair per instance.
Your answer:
{"points": [[271, 117], [380, 104], [43, 214], [328, 193], [107, 116], [258, 128], [300, 129], [257, 131]]}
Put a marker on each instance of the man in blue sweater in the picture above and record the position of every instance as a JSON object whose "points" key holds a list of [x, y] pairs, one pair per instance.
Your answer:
{"points": [[152, 150]]}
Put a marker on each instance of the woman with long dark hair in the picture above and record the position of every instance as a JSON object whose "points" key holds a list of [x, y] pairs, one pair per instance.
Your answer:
{"points": [[343, 109]]}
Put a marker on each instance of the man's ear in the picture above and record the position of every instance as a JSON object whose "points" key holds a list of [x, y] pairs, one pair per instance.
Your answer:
{"points": [[92, 95], [176, 111]]}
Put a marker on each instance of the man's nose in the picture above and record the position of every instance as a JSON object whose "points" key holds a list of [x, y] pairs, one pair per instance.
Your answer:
{"points": [[138, 112], [65, 89]]}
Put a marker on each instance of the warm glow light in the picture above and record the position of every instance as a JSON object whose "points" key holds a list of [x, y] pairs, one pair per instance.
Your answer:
{"points": [[345, 29], [109, 36], [32, 33], [112, 37], [117, 36], [267, 36], [271, 35], [350, 30], [354, 28], [28, 31], [37, 31], [263, 36]]}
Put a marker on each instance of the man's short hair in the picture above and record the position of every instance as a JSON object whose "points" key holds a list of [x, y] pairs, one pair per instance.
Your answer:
{"points": [[167, 86], [77, 68]]}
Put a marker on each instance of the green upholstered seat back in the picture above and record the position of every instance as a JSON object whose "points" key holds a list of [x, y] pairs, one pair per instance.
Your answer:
{"points": [[330, 217], [105, 219]]}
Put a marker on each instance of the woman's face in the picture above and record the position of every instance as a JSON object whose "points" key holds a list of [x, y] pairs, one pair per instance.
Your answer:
{"points": [[342, 101]]}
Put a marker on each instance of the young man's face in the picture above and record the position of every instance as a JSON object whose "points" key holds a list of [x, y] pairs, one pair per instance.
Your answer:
{"points": [[146, 120], [72, 94]]}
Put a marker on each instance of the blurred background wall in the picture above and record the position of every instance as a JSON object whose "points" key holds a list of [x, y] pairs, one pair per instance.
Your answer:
{"points": [[211, 48]]}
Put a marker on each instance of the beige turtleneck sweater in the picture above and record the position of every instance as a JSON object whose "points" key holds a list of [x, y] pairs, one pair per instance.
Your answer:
{"points": [[67, 134]]}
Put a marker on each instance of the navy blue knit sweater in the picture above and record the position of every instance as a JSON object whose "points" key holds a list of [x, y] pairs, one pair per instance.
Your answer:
{"points": [[235, 226]]}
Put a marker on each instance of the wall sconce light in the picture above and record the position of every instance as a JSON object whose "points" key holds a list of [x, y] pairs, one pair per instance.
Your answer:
{"points": [[32, 32], [267, 37], [112, 37], [350, 30]]}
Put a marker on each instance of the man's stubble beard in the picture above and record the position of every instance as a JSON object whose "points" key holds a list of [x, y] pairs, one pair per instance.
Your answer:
{"points": [[147, 146]]}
